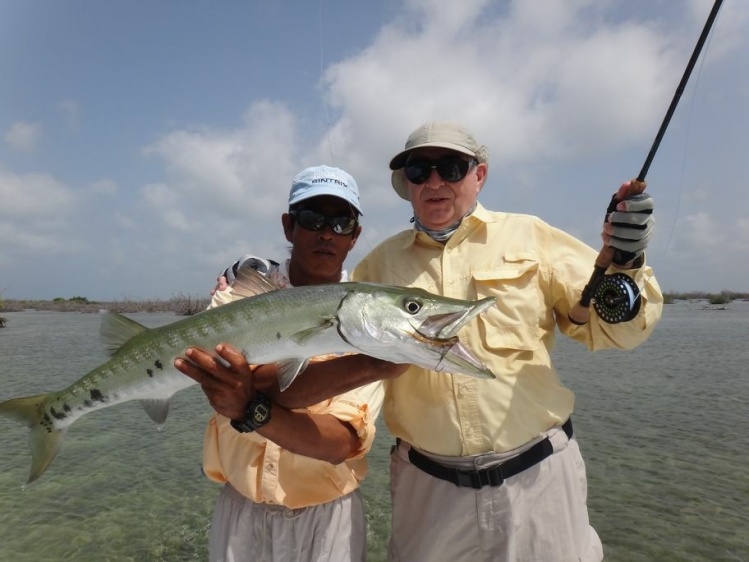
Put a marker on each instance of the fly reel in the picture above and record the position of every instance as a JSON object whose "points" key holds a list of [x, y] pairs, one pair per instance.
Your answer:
{"points": [[616, 298]]}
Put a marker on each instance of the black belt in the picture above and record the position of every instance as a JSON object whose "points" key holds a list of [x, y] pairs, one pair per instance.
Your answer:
{"points": [[493, 476]]}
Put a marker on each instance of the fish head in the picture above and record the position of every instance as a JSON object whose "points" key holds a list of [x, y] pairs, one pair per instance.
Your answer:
{"points": [[410, 325]]}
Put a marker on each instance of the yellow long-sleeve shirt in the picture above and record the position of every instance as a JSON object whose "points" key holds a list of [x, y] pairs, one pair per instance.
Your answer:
{"points": [[537, 274]]}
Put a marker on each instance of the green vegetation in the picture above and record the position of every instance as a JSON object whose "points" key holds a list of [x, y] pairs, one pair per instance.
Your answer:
{"points": [[723, 297], [181, 305], [186, 305]]}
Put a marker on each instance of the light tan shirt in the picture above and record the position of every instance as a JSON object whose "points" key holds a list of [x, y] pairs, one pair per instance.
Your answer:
{"points": [[264, 472], [537, 273]]}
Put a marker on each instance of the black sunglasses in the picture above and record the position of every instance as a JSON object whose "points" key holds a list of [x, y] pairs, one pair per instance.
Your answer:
{"points": [[449, 168], [312, 220]]}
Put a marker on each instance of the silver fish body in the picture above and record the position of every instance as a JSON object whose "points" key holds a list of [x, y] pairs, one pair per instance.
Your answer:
{"points": [[287, 327]]}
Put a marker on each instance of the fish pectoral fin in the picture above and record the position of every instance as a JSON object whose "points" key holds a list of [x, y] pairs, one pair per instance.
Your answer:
{"points": [[116, 330], [157, 409], [250, 283], [302, 337], [288, 371]]}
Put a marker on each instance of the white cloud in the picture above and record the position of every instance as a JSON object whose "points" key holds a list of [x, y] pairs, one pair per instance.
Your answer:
{"points": [[535, 83], [702, 232], [229, 173], [35, 215], [33, 196], [166, 200], [23, 136]]}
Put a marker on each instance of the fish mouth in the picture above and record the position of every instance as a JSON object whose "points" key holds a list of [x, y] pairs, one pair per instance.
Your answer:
{"points": [[446, 326], [458, 354]]}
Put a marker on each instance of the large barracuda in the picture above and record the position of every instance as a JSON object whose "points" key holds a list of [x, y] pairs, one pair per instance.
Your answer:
{"points": [[286, 326]]}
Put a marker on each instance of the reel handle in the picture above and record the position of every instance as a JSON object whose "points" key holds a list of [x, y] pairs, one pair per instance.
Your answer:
{"points": [[580, 313]]}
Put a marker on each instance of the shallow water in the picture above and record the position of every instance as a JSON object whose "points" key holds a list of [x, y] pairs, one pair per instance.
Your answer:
{"points": [[661, 429]]}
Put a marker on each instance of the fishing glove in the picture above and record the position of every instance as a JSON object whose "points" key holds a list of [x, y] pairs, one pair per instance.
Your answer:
{"points": [[628, 227], [258, 264]]}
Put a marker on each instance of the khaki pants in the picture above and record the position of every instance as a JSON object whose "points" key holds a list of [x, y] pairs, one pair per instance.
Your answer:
{"points": [[539, 515], [245, 531]]}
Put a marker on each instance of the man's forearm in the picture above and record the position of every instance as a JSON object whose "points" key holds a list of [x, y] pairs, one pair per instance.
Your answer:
{"points": [[323, 379], [319, 436]]}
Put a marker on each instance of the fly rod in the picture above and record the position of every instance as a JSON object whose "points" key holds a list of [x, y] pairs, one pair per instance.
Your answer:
{"points": [[617, 299]]}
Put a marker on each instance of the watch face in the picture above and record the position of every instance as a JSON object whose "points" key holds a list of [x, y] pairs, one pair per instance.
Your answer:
{"points": [[258, 414], [261, 414]]}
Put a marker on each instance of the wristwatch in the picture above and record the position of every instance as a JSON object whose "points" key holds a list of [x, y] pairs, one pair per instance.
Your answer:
{"points": [[256, 415]]}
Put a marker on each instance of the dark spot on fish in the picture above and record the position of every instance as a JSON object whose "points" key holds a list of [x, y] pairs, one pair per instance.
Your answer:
{"points": [[46, 418], [158, 365], [97, 396], [278, 335], [65, 407], [56, 415], [88, 403], [150, 372]]}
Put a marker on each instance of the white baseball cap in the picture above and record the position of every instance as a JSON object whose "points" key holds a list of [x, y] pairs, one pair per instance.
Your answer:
{"points": [[324, 180]]}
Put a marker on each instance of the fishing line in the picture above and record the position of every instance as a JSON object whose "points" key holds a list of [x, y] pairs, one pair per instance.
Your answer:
{"points": [[322, 86], [603, 300], [682, 174], [326, 113], [363, 238]]}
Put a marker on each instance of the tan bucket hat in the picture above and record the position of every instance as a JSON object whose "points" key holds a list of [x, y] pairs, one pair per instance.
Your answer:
{"points": [[442, 135]]}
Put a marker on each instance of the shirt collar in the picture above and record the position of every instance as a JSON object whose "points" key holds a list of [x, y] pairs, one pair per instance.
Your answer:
{"points": [[479, 215]]}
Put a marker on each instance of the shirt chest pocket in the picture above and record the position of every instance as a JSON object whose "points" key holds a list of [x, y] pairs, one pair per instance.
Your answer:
{"points": [[514, 322]]}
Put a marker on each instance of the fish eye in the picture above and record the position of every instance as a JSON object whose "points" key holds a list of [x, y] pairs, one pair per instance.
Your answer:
{"points": [[412, 306]]}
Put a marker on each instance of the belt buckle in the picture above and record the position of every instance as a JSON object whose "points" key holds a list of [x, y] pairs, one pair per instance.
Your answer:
{"points": [[477, 479]]}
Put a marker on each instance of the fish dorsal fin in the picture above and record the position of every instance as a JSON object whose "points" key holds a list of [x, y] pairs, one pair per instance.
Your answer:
{"points": [[288, 371], [116, 330], [156, 409], [250, 283]]}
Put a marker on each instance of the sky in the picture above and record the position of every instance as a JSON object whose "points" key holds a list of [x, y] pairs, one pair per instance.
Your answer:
{"points": [[144, 146]]}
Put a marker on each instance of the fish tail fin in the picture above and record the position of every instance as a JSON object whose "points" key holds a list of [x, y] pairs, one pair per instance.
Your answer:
{"points": [[44, 442]]}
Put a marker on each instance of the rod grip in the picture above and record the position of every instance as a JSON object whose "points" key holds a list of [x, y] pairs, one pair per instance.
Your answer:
{"points": [[580, 313]]}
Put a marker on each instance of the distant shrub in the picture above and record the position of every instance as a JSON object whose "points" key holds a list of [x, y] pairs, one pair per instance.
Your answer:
{"points": [[722, 298], [186, 305]]}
